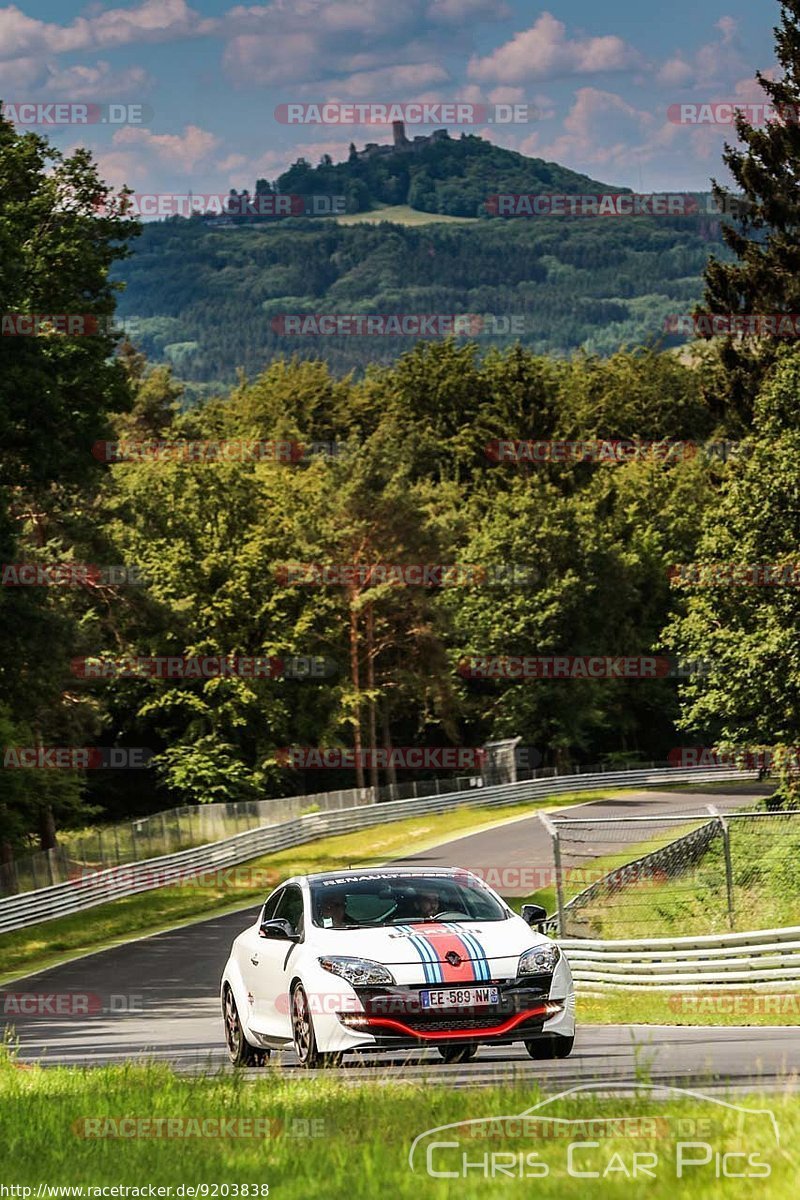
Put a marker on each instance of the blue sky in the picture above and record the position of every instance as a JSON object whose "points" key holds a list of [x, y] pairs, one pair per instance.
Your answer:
{"points": [[601, 77]]}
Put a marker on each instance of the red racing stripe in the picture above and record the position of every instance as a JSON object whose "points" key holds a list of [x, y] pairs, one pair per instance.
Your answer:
{"points": [[441, 940]]}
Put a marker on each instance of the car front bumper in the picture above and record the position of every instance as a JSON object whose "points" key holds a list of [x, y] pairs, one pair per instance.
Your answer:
{"points": [[393, 1017]]}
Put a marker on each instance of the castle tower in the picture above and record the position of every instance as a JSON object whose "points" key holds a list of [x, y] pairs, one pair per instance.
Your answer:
{"points": [[399, 135]]}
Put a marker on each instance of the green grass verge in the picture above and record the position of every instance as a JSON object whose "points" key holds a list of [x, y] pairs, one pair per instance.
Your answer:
{"points": [[39, 946], [712, 1007], [328, 1138]]}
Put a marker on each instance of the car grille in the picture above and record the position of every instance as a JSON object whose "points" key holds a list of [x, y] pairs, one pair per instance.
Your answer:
{"points": [[386, 1008]]}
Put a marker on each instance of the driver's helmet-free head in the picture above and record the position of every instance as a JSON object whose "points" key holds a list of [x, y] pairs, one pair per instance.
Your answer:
{"points": [[332, 908], [428, 901]]}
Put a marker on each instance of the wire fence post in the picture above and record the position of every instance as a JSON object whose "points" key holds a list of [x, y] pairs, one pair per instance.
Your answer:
{"points": [[551, 829], [726, 845]]}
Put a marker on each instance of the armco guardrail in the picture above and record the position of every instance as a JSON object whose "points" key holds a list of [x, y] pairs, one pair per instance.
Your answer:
{"points": [[729, 961], [46, 904]]}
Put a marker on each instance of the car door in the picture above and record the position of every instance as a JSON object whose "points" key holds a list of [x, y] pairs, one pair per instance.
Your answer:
{"points": [[273, 967], [250, 957]]}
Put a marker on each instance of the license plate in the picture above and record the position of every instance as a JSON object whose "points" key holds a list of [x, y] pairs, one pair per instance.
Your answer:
{"points": [[470, 997]]}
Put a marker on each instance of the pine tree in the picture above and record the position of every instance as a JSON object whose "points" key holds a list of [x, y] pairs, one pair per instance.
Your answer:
{"points": [[765, 237]]}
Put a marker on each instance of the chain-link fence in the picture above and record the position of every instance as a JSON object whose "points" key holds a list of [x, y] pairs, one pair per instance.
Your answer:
{"points": [[694, 872], [163, 833]]}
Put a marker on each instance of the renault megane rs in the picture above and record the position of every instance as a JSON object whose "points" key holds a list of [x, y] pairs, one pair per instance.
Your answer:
{"points": [[391, 958]]}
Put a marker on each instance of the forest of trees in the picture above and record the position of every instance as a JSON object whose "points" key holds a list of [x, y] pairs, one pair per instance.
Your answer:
{"points": [[413, 483], [206, 301], [453, 176]]}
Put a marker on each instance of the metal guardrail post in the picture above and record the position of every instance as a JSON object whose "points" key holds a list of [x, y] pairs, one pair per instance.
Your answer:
{"points": [[551, 829], [726, 844]]}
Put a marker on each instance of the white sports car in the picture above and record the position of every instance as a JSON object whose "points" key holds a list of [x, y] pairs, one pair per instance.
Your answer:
{"points": [[391, 958]]}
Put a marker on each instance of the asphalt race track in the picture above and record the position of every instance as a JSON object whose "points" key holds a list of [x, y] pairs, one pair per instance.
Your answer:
{"points": [[132, 1001]]}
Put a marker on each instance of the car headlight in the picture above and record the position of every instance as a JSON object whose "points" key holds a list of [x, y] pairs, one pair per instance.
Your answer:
{"points": [[541, 960], [358, 971]]}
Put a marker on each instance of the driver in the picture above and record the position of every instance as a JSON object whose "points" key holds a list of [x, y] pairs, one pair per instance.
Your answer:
{"points": [[332, 910], [429, 903]]}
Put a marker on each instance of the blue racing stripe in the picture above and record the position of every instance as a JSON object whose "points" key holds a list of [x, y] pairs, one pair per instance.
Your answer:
{"points": [[481, 962], [430, 964]]}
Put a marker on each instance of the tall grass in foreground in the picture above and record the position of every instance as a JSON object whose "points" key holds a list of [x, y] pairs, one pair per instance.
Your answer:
{"points": [[364, 1135]]}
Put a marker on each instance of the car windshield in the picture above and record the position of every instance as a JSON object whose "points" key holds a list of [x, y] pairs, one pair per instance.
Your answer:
{"points": [[388, 899]]}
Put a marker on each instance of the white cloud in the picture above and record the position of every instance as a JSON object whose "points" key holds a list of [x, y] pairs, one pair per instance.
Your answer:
{"points": [[100, 82], [151, 21], [545, 52], [713, 65], [457, 11], [184, 152], [23, 73], [267, 60], [392, 82], [600, 128]]}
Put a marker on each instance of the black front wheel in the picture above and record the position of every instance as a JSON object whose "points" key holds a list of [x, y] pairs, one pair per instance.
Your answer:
{"points": [[551, 1045], [240, 1052], [457, 1054], [305, 1041]]}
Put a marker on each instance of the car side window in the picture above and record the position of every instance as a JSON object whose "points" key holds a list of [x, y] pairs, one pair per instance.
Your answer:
{"points": [[290, 908], [272, 903]]}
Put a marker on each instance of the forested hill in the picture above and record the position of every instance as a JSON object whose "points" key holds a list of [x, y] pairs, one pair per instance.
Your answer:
{"points": [[451, 176], [211, 300]]}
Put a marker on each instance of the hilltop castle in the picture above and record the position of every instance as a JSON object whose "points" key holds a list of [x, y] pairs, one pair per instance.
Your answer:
{"points": [[400, 143]]}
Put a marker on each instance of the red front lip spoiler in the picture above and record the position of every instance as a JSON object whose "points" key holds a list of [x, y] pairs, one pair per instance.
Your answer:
{"points": [[462, 1034]]}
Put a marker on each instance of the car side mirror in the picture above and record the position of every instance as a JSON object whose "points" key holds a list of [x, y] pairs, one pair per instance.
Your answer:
{"points": [[533, 914], [278, 929]]}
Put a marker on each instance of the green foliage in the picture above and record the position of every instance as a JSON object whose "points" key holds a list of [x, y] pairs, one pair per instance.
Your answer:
{"points": [[748, 633], [56, 392], [207, 300]]}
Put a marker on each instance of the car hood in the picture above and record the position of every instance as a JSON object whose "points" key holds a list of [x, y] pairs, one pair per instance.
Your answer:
{"points": [[438, 951]]}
